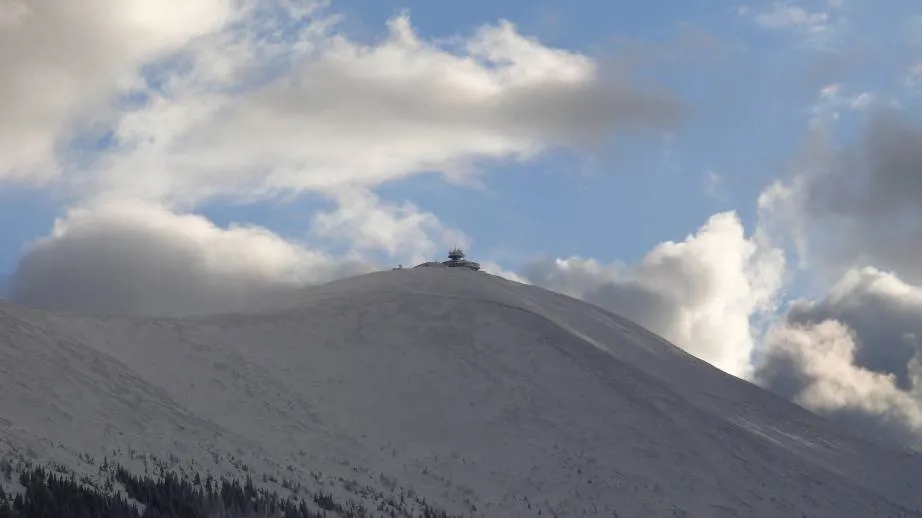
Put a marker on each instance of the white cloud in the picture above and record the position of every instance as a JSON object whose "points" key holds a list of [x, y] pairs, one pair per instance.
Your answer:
{"points": [[493, 268], [278, 102], [137, 258], [62, 61], [369, 224], [818, 29], [346, 114], [786, 16], [854, 355], [831, 101], [779, 207], [702, 294]]}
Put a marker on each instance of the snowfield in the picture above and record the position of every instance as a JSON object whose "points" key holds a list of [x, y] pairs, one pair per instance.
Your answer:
{"points": [[484, 396]]}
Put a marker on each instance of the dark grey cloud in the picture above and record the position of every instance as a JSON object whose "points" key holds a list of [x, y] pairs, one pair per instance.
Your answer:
{"points": [[879, 177], [867, 200], [853, 356], [886, 326]]}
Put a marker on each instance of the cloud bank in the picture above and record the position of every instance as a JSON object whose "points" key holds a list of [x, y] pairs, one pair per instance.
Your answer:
{"points": [[870, 195], [854, 355], [136, 258], [702, 294], [857, 212]]}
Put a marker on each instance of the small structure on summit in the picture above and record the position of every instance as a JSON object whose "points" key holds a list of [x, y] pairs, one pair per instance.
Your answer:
{"points": [[456, 259]]}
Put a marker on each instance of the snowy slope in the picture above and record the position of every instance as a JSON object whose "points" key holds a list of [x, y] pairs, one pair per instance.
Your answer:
{"points": [[483, 395]]}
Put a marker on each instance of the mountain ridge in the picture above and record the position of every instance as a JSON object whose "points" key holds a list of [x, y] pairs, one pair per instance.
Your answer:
{"points": [[474, 391]]}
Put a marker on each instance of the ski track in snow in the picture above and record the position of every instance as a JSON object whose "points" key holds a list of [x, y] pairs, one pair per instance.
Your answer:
{"points": [[468, 388]]}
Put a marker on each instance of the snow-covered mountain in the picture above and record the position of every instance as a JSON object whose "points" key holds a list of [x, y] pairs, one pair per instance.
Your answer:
{"points": [[484, 396]]}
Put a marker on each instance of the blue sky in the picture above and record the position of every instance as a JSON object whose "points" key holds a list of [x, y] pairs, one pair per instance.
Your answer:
{"points": [[599, 149]]}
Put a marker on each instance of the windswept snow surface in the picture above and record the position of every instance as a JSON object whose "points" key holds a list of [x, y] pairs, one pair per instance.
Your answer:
{"points": [[483, 395]]}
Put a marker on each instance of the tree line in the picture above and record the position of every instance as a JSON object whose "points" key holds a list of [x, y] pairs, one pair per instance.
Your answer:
{"points": [[46, 494]]}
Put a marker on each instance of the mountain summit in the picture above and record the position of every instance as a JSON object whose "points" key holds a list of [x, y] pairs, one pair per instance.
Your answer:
{"points": [[482, 395]]}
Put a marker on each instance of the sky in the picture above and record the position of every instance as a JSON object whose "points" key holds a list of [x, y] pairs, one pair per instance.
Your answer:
{"points": [[743, 178]]}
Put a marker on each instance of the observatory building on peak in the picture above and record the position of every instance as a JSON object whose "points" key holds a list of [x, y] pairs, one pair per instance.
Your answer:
{"points": [[456, 259]]}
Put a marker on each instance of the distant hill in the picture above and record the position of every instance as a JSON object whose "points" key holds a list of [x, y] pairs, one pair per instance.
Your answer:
{"points": [[426, 388]]}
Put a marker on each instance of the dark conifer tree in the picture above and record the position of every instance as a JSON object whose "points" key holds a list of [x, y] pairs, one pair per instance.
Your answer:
{"points": [[171, 495]]}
